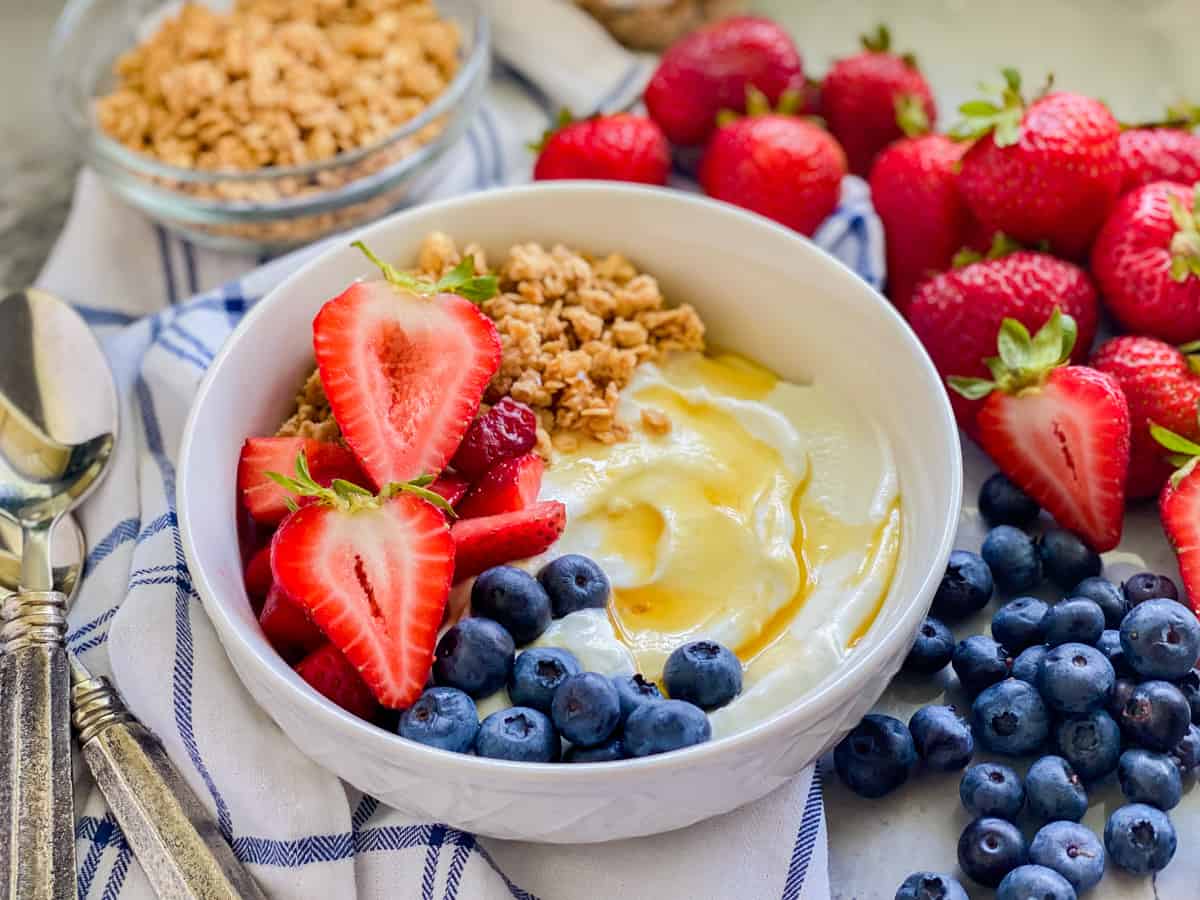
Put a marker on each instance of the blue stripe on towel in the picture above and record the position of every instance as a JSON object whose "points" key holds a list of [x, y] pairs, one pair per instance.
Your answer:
{"points": [[806, 839]]}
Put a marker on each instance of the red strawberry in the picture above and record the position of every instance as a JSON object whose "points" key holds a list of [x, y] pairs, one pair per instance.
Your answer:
{"points": [[265, 500], [1160, 386], [782, 167], [506, 430], [494, 540], [1147, 262], [621, 147], [1060, 432], [258, 577], [1049, 172], [957, 314], [404, 365], [1158, 154], [331, 675], [1179, 509], [286, 626], [508, 486], [451, 486], [710, 69]]}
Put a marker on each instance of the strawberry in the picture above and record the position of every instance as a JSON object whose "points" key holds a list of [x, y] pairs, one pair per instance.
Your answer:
{"points": [[621, 147], [1158, 154], [286, 626], [1179, 509], [710, 69], [1059, 432], [404, 364], [494, 540], [782, 167], [956, 314], [258, 577], [1161, 385], [506, 430], [450, 486], [1047, 172], [508, 486], [332, 676], [1147, 262], [266, 501]]}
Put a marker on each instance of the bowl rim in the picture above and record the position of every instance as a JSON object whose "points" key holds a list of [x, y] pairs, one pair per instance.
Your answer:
{"points": [[847, 678]]}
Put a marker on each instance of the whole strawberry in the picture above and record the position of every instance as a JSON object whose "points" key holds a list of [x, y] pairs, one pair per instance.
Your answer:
{"points": [[866, 97], [782, 167], [710, 69], [1147, 262], [1158, 154], [621, 147], [1048, 172]]}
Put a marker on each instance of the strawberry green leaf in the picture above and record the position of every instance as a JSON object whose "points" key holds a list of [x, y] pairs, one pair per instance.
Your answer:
{"points": [[971, 388], [1025, 362], [1176, 443], [965, 257], [979, 108], [411, 487], [879, 42], [1014, 344], [1185, 243], [564, 118], [1000, 117], [790, 102], [1012, 79], [460, 280], [911, 116]]}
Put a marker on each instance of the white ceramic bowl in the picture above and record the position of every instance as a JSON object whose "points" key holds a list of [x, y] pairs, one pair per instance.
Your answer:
{"points": [[763, 292]]}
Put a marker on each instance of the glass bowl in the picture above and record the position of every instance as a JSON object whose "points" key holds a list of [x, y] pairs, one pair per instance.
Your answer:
{"points": [[272, 208]]}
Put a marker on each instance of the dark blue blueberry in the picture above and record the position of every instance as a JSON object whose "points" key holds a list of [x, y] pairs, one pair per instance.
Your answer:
{"points": [[1053, 791], [1161, 639], [1148, 777], [1189, 684], [932, 649], [666, 726], [704, 673], [1140, 838], [1156, 715], [1091, 743], [980, 662], [1122, 688], [989, 849], [876, 757], [1106, 595], [475, 655], [1026, 666], [586, 709], [1147, 586], [574, 582], [943, 740], [1034, 883], [965, 589], [1066, 560], [1071, 850], [634, 691], [931, 886], [1109, 643], [1010, 718], [1075, 620], [610, 751], [442, 717], [512, 597], [1011, 555], [520, 734], [1187, 752], [1018, 623], [536, 675], [1075, 678], [1003, 503], [990, 789]]}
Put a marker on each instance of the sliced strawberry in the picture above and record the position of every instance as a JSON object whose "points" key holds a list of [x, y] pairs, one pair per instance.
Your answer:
{"points": [[506, 487], [265, 500], [451, 486], [331, 675], [507, 430], [1179, 508], [258, 577], [493, 540], [286, 626]]}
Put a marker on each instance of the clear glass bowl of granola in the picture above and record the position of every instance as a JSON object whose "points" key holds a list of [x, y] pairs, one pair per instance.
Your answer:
{"points": [[259, 125]]}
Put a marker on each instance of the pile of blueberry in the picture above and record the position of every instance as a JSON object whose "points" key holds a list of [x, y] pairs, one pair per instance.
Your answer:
{"points": [[1101, 683], [603, 718]]}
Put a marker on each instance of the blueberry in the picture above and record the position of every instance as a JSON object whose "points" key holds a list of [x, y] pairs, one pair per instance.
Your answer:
{"points": [[932, 649], [943, 740], [586, 708], [989, 849], [1147, 586], [1076, 619], [876, 757], [1010, 718], [661, 727], [1066, 560], [1034, 883], [574, 582], [475, 655], [1187, 752], [1156, 715], [520, 734], [536, 675], [1072, 851], [979, 662], [1189, 684], [1109, 643], [442, 717], [1161, 639], [1053, 791], [1106, 595], [1075, 678], [512, 597], [704, 673], [965, 589], [1018, 623], [1140, 838], [990, 789], [635, 691], [1091, 743], [1151, 778], [1026, 666], [931, 886], [1003, 503], [610, 751], [1122, 688], [1011, 555]]}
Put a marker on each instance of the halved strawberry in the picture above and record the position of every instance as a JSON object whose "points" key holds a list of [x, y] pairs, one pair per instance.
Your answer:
{"points": [[451, 486], [265, 500], [1179, 509], [331, 675], [493, 540], [1061, 433], [258, 577], [287, 627], [508, 486]]}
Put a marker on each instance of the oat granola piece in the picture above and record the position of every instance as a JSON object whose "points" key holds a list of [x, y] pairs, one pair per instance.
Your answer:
{"points": [[312, 418]]}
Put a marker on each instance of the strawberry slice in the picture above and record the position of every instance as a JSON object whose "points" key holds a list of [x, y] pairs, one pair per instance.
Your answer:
{"points": [[331, 675], [258, 577], [1179, 509], [451, 487], [265, 500], [404, 371], [508, 486], [286, 626], [1060, 432], [490, 541]]}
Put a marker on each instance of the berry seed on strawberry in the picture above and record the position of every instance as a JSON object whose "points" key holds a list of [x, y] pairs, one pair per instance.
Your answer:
{"points": [[620, 147]]}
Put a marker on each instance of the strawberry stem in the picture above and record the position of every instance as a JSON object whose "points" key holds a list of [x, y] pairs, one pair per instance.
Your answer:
{"points": [[460, 280], [1000, 116], [350, 497], [1185, 244], [879, 42], [1182, 115], [1023, 362]]}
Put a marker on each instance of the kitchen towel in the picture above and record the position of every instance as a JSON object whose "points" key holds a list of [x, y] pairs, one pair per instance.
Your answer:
{"points": [[162, 307]]}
